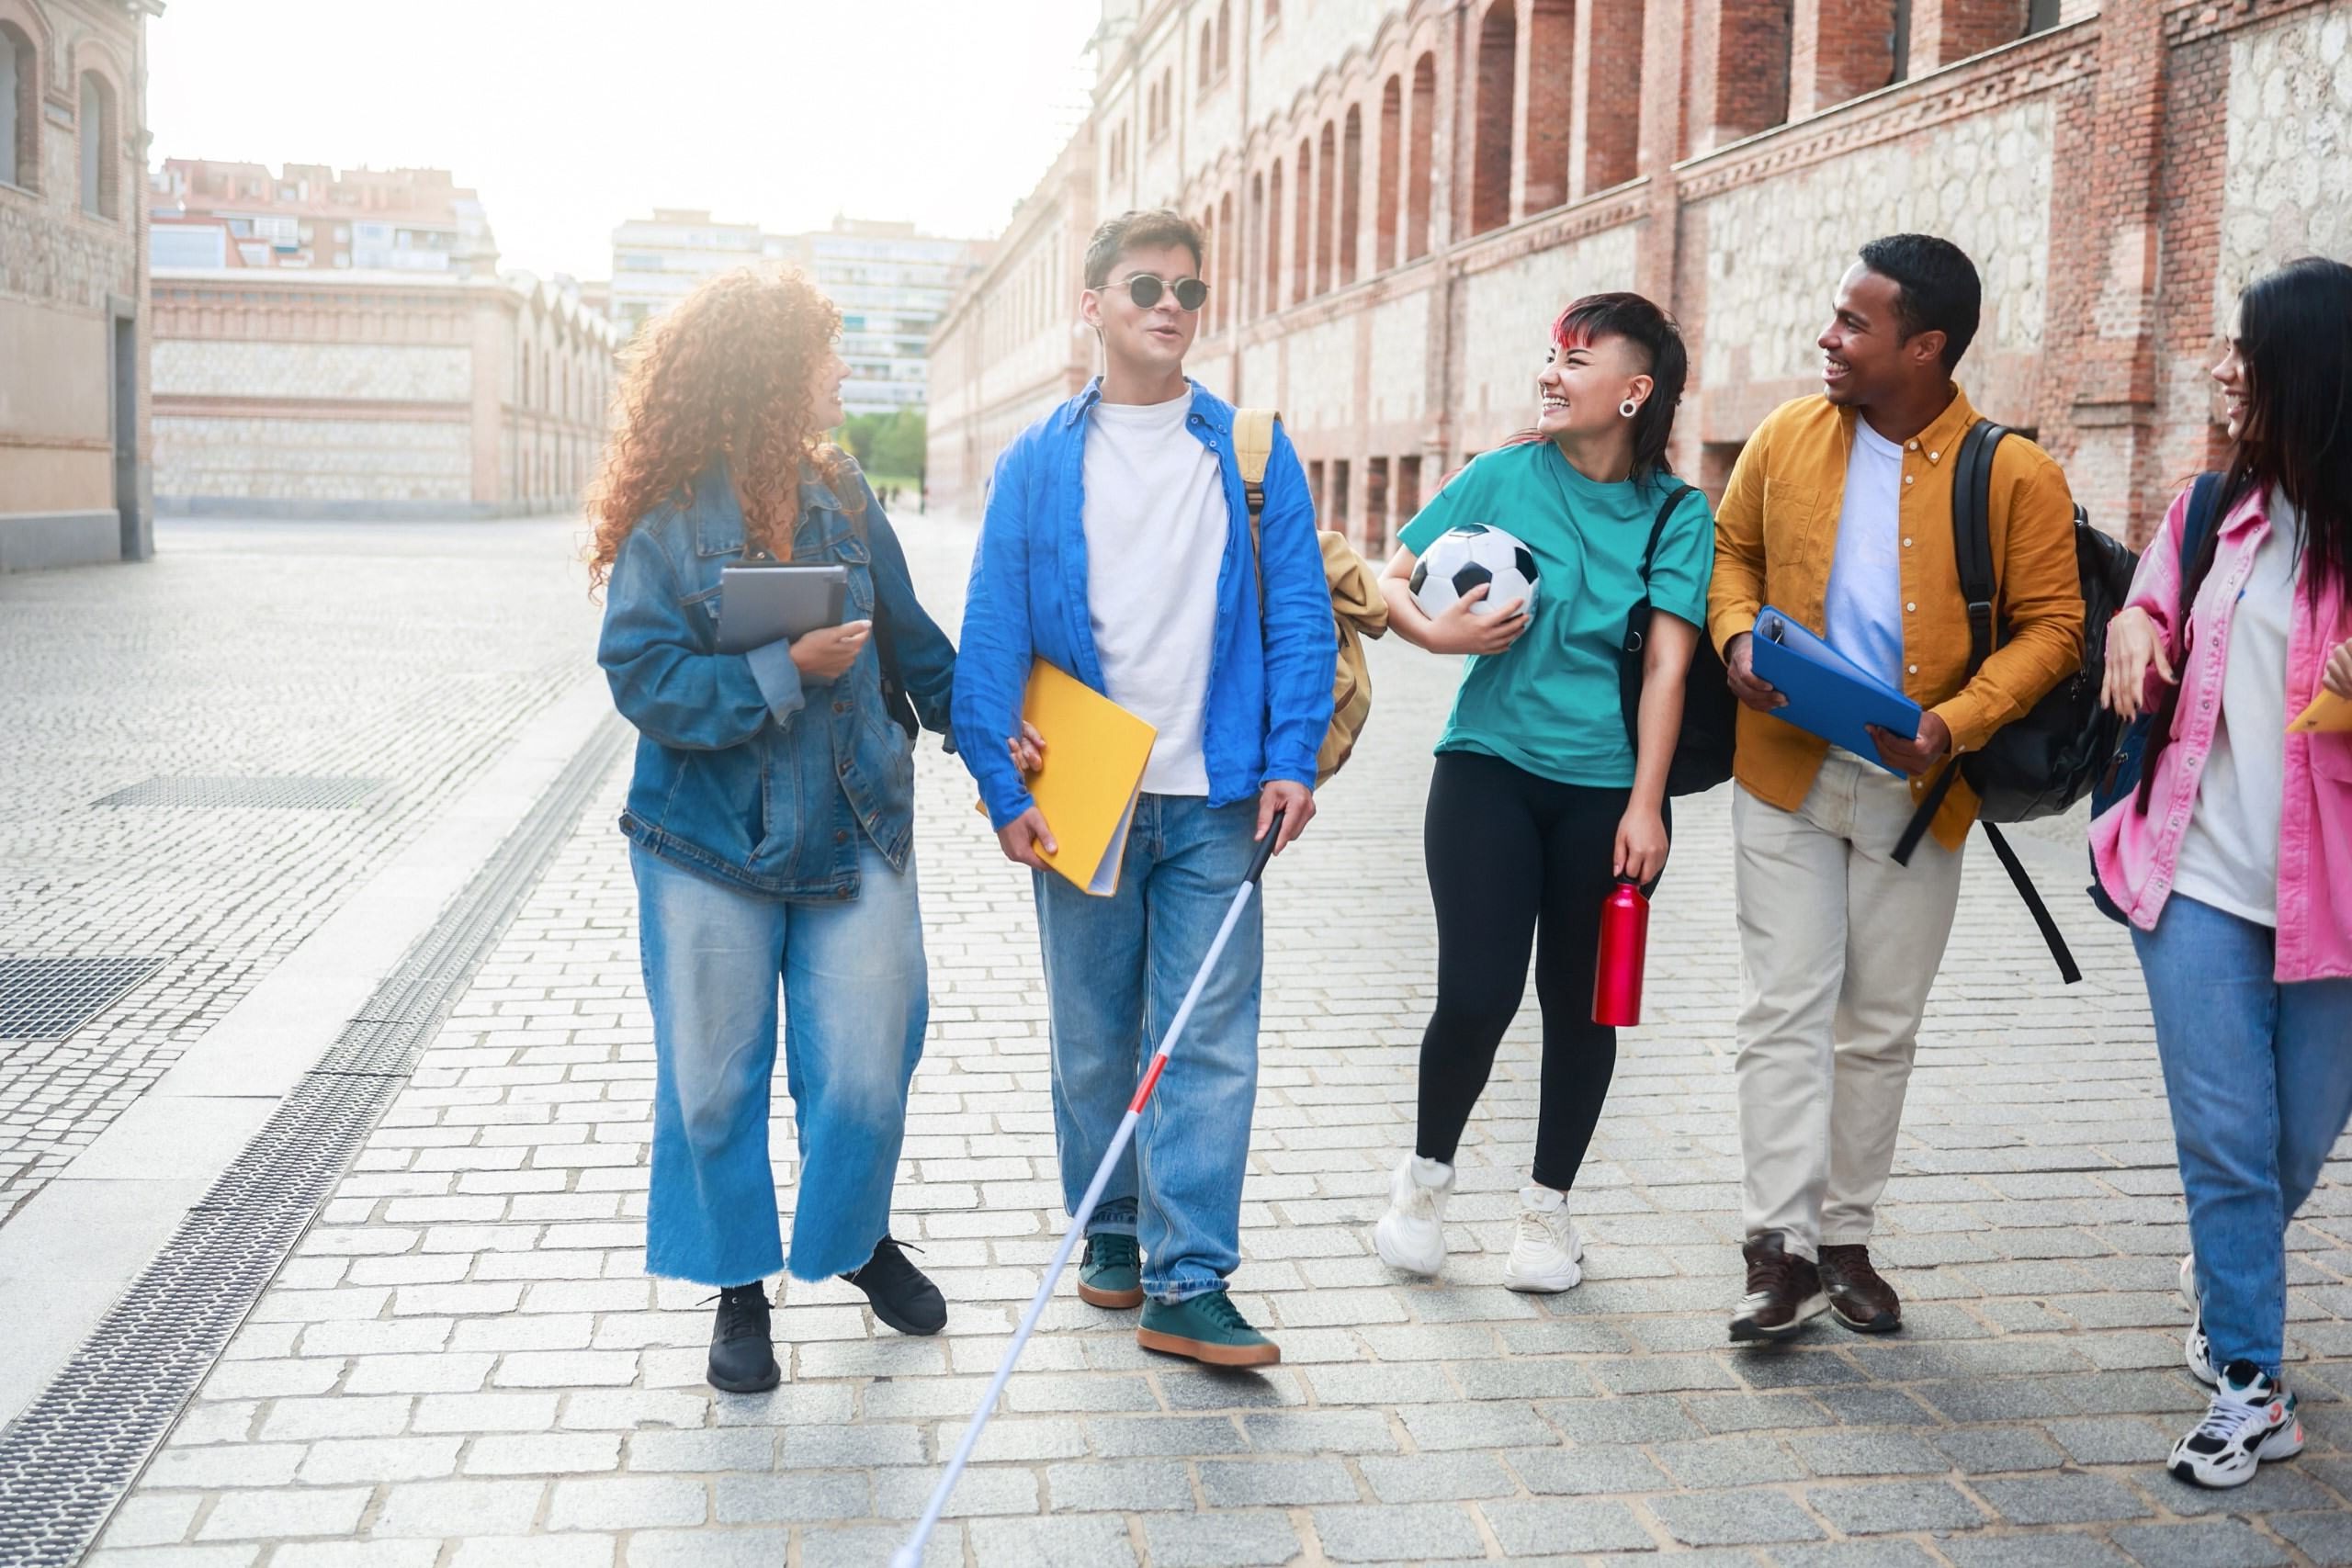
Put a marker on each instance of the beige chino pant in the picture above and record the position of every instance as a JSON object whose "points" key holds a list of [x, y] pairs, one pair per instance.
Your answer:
{"points": [[1838, 948]]}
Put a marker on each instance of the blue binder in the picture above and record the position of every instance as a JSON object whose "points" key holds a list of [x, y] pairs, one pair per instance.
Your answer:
{"points": [[1828, 694]]}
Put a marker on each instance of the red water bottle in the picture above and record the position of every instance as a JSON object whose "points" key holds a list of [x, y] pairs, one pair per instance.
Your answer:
{"points": [[1617, 969]]}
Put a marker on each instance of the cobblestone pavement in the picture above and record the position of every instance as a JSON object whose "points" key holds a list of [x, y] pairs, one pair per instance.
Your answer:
{"points": [[466, 1365], [397, 655]]}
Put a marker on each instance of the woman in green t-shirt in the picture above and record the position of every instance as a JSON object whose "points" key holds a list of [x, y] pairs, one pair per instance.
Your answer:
{"points": [[1540, 800]]}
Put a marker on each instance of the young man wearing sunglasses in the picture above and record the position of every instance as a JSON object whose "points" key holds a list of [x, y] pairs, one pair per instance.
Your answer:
{"points": [[1116, 545]]}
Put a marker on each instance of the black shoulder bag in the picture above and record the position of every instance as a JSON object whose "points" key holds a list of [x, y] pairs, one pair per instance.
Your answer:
{"points": [[1703, 746]]}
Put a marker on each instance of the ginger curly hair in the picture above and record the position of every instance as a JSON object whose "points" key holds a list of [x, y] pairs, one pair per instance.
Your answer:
{"points": [[729, 372]]}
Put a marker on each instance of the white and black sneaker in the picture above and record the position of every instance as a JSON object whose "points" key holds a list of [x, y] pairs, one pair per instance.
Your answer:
{"points": [[2199, 1351], [2252, 1420]]}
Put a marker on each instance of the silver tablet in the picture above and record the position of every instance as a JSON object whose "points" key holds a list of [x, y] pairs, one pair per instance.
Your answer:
{"points": [[761, 604]]}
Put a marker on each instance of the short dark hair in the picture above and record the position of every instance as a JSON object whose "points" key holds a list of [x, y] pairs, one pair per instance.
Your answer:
{"points": [[1137, 231], [1936, 289]]}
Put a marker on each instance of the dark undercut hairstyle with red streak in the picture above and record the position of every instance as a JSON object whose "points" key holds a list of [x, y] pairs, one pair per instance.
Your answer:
{"points": [[1658, 340]]}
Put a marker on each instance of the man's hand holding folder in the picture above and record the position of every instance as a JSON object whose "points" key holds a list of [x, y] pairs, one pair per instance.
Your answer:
{"points": [[1835, 699]]}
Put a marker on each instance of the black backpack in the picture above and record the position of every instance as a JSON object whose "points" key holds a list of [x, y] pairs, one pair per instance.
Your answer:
{"points": [[2042, 763], [1702, 749], [2123, 776]]}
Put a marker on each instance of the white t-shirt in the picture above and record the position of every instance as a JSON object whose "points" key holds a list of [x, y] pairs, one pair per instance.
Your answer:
{"points": [[1156, 524], [2229, 856], [1865, 603]]}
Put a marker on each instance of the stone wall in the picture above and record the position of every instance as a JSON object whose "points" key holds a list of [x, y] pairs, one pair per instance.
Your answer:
{"points": [[2288, 189], [314, 467], [1506, 321], [392, 372], [1775, 251]]}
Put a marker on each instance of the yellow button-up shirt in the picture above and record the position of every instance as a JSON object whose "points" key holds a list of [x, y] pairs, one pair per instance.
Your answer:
{"points": [[1776, 536]]}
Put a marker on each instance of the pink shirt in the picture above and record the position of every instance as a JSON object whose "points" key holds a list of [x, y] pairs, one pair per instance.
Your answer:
{"points": [[2137, 855]]}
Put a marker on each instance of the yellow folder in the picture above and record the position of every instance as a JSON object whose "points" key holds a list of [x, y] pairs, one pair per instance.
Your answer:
{"points": [[2328, 715], [1095, 755]]}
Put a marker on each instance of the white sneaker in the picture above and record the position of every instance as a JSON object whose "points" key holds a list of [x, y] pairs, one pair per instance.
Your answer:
{"points": [[2199, 1351], [1411, 1235], [2252, 1420], [1545, 1252]]}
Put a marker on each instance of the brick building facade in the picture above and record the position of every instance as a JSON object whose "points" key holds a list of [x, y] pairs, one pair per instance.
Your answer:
{"points": [[1398, 198], [375, 393], [74, 432]]}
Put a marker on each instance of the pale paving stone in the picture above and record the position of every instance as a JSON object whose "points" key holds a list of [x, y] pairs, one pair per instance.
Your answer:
{"points": [[273, 1516]]}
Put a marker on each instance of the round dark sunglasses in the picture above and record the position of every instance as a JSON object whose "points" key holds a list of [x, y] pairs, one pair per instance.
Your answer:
{"points": [[1145, 290]]}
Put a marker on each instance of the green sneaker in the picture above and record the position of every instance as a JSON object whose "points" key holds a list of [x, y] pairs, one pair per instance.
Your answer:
{"points": [[1207, 1329], [1111, 1272]]}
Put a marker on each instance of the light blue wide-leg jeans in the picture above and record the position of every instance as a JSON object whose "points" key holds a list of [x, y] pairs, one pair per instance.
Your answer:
{"points": [[855, 1002], [1117, 970], [2260, 1078]]}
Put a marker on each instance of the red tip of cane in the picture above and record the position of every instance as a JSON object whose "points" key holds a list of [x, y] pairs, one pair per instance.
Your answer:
{"points": [[1143, 1090]]}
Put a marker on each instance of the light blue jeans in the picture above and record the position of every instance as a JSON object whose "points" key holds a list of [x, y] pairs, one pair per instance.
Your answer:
{"points": [[855, 1001], [1116, 969], [2259, 1078]]}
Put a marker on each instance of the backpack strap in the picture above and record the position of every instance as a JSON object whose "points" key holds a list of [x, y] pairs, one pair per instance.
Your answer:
{"points": [[1972, 542], [1665, 510], [1253, 445]]}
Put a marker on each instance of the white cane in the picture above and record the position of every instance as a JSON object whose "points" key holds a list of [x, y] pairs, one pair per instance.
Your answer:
{"points": [[911, 1555]]}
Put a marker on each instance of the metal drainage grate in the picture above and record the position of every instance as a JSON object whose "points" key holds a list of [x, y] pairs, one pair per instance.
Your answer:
{"points": [[69, 1459], [300, 792], [49, 998]]}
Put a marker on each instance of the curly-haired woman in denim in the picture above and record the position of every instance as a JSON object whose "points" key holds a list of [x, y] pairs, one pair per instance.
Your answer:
{"points": [[770, 820]]}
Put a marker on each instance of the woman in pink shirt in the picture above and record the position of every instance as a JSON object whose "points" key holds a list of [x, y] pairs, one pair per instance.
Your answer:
{"points": [[2233, 860]]}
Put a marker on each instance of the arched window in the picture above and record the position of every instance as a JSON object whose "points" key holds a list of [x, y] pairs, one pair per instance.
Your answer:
{"points": [[1228, 281], [1390, 178], [1208, 48], [101, 150], [1326, 160], [1168, 99], [1224, 35], [1497, 111], [1422, 133], [1302, 247], [1272, 228], [19, 108], [1258, 232], [1351, 192], [1551, 69]]}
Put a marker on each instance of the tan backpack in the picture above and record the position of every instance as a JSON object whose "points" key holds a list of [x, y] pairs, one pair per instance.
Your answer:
{"points": [[1357, 609]]}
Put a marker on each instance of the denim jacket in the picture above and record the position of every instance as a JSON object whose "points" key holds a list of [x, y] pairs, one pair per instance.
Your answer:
{"points": [[744, 774], [1269, 673]]}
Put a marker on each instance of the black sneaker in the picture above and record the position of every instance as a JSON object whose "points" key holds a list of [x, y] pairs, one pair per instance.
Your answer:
{"points": [[897, 1291], [742, 1356]]}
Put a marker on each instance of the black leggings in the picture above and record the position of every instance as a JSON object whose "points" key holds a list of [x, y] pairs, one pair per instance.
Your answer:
{"points": [[1515, 859]]}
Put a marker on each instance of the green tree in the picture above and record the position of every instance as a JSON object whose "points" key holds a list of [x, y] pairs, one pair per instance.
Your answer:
{"points": [[902, 446]]}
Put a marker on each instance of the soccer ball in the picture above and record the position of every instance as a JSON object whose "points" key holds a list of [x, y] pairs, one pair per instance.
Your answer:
{"points": [[1461, 559]]}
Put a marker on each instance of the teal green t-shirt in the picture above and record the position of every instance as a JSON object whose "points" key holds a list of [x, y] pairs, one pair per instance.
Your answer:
{"points": [[1549, 703]]}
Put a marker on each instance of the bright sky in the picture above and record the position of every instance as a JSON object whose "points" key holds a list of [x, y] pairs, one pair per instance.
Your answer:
{"points": [[568, 117]]}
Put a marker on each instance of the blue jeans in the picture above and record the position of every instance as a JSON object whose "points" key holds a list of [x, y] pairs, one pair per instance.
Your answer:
{"points": [[1116, 969], [856, 1000], [2259, 1077]]}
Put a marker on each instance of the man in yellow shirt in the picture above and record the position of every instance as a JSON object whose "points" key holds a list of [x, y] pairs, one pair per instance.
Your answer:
{"points": [[1839, 514]]}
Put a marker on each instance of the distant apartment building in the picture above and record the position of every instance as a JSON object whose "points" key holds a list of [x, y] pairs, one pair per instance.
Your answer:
{"points": [[73, 430], [892, 285], [208, 213], [656, 261]]}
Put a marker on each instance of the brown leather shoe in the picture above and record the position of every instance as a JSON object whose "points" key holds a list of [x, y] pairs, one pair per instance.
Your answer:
{"points": [[1783, 1291], [1862, 1301]]}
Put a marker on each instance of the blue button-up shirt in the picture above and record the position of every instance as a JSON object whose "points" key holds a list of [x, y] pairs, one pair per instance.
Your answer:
{"points": [[1269, 699]]}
